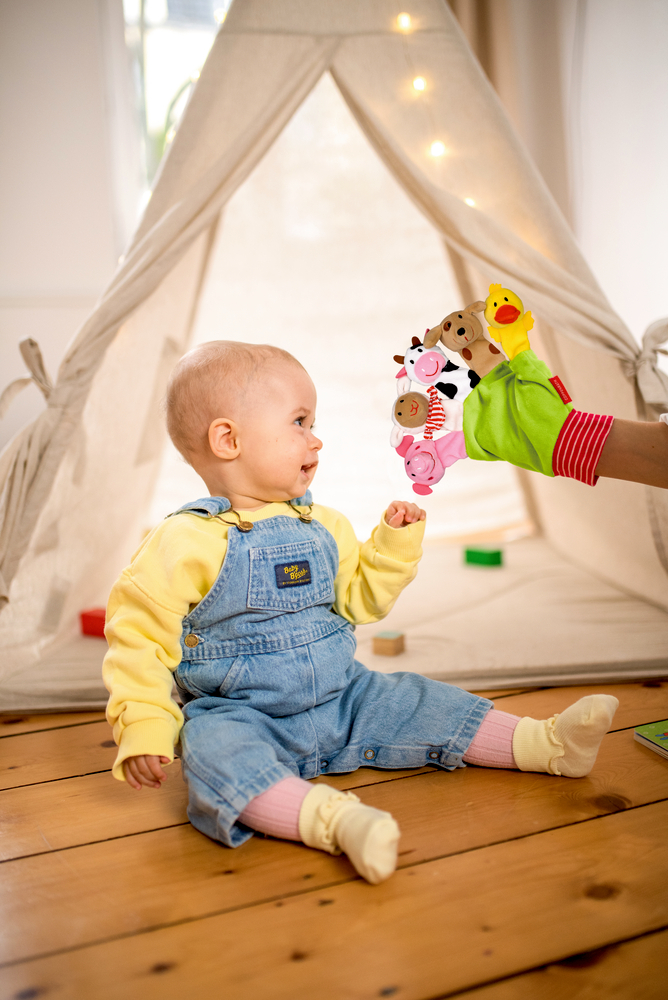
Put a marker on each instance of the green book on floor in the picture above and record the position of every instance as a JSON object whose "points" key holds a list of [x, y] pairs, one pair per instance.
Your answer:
{"points": [[655, 736]]}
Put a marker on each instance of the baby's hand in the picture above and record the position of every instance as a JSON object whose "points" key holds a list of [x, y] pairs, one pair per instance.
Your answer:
{"points": [[144, 770], [400, 513]]}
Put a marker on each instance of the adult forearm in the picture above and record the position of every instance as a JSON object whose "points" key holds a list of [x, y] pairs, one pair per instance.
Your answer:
{"points": [[636, 451]]}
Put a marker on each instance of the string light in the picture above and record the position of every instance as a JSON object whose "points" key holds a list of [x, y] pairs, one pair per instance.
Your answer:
{"points": [[470, 201], [170, 135], [195, 76], [419, 83], [220, 15], [404, 22], [437, 148]]}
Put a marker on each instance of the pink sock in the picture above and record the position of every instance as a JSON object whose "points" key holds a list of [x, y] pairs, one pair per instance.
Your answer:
{"points": [[492, 745], [276, 811]]}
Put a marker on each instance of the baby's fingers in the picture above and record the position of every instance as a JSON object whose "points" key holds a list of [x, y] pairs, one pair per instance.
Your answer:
{"points": [[413, 513], [153, 764], [400, 513], [139, 772]]}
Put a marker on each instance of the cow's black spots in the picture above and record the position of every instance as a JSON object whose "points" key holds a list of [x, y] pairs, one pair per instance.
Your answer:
{"points": [[447, 388]]}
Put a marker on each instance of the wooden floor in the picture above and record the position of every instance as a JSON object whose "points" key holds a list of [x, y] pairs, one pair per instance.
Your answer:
{"points": [[510, 886]]}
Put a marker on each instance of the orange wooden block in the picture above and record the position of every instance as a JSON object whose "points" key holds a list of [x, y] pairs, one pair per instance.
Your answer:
{"points": [[388, 643]]}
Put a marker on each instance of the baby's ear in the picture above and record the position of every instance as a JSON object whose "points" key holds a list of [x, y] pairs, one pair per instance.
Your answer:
{"points": [[224, 438], [475, 307]]}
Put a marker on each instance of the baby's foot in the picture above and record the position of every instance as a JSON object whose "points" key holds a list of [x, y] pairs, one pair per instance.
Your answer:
{"points": [[336, 821], [370, 838], [566, 744]]}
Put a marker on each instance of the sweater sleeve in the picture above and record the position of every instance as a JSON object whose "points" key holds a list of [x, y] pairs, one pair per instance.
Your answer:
{"points": [[372, 575], [172, 572]]}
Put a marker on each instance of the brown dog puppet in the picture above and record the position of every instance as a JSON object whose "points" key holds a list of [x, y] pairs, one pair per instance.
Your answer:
{"points": [[462, 332]]}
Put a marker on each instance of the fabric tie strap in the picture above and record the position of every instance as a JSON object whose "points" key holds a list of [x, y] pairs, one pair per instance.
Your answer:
{"points": [[652, 383], [32, 356]]}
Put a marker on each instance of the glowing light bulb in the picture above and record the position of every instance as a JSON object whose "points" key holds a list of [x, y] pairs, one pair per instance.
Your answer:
{"points": [[404, 22], [419, 83], [470, 201], [170, 135], [195, 76], [220, 14], [437, 148]]}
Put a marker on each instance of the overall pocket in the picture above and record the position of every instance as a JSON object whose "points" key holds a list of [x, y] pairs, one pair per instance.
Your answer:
{"points": [[289, 577], [209, 678]]}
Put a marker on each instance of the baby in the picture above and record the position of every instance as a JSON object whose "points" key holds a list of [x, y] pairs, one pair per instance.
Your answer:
{"points": [[248, 599]]}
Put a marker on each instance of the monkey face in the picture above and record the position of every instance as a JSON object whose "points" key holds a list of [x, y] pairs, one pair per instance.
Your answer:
{"points": [[411, 409]]}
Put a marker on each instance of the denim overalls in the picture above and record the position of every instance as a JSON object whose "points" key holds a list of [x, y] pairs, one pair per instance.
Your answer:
{"points": [[271, 687]]}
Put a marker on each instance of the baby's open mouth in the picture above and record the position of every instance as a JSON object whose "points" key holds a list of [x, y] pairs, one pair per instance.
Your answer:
{"points": [[307, 469]]}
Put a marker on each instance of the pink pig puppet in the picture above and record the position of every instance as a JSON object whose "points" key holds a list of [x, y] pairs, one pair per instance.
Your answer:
{"points": [[425, 462]]}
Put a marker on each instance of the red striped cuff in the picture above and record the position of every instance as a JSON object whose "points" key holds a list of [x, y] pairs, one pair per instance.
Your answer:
{"points": [[579, 446]]}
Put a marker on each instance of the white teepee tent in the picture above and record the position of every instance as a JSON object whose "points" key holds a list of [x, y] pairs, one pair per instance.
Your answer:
{"points": [[78, 480]]}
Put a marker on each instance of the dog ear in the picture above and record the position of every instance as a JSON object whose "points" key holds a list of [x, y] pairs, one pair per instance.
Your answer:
{"points": [[475, 307], [432, 336]]}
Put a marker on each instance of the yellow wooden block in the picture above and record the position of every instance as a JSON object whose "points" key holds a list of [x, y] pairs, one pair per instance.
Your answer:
{"points": [[388, 643]]}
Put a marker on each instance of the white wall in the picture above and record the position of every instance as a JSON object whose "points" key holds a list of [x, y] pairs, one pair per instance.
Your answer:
{"points": [[69, 174], [619, 131]]}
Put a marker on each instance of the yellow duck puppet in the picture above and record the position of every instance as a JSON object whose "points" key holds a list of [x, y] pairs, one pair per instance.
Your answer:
{"points": [[508, 323]]}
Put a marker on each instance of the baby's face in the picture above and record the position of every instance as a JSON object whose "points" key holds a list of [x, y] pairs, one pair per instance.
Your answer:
{"points": [[279, 451]]}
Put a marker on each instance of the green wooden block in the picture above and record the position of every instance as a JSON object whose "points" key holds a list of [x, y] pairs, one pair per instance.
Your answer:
{"points": [[483, 555]]}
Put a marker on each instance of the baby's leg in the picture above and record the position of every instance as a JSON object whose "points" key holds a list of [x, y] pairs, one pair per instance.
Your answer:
{"points": [[566, 744], [330, 820]]}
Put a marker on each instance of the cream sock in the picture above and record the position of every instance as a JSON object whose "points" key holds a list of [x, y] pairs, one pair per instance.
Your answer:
{"points": [[336, 821], [566, 744]]}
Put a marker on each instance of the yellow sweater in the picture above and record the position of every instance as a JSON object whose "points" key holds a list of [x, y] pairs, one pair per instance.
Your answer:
{"points": [[175, 568]]}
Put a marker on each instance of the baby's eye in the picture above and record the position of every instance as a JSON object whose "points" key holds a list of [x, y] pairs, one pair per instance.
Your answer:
{"points": [[300, 421]]}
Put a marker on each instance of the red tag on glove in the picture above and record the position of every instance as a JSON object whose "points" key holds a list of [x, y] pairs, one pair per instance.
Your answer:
{"points": [[561, 389]]}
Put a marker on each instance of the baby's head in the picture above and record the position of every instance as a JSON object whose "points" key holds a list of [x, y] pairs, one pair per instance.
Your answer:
{"points": [[242, 416]]}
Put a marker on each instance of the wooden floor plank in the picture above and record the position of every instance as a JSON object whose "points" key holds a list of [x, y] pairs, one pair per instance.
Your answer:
{"points": [[56, 753], [638, 703], [13, 724], [431, 930], [95, 807], [62, 753], [52, 901], [503, 692], [631, 970]]}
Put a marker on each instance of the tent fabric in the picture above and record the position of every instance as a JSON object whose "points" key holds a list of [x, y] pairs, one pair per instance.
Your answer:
{"points": [[76, 480]]}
